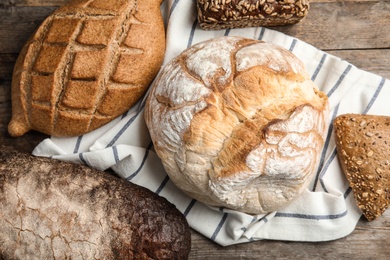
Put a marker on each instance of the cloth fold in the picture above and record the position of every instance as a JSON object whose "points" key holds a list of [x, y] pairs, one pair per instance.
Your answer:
{"points": [[325, 211]]}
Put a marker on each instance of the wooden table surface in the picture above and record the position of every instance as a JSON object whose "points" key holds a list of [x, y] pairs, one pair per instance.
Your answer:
{"points": [[355, 30]]}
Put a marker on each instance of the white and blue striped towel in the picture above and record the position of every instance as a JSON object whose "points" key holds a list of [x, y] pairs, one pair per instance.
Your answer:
{"points": [[325, 211]]}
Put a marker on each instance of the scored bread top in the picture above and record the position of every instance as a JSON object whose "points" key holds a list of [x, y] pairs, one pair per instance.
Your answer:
{"points": [[237, 123], [88, 63], [363, 149]]}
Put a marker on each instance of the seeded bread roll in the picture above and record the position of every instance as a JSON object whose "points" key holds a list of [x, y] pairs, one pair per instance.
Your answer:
{"points": [[57, 210], [363, 149], [223, 14], [88, 63], [238, 123]]}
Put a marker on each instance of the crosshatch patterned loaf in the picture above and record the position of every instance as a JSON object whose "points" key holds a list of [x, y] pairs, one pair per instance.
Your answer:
{"points": [[88, 62], [57, 210], [223, 14], [363, 149], [238, 123]]}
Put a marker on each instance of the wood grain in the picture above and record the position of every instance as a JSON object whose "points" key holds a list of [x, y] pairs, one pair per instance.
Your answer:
{"points": [[343, 24], [366, 242], [372, 60], [10, 3], [21, 22], [340, 249], [355, 30]]}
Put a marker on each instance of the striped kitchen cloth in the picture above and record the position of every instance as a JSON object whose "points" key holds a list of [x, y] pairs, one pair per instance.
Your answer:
{"points": [[325, 211]]}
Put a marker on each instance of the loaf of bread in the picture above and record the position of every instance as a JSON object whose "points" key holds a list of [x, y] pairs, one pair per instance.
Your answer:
{"points": [[57, 210], [237, 123], [363, 149], [88, 63], [223, 14]]}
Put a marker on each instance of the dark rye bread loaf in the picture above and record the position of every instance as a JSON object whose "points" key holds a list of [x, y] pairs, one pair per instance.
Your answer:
{"points": [[223, 14], [88, 62], [363, 148], [57, 210]]}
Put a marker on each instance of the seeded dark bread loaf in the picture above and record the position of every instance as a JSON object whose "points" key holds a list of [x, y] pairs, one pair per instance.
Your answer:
{"points": [[88, 63], [238, 123], [56, 210], [363, 149], [223, 14]]}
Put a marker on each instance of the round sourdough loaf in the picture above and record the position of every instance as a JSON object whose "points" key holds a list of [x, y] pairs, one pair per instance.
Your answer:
{"points": [[238, 123]]}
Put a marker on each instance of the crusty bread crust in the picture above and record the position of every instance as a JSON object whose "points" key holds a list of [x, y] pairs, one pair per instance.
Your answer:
{"points": [[57, 210], [223, 14], [363, 149], [237, 123], [88, 63]]}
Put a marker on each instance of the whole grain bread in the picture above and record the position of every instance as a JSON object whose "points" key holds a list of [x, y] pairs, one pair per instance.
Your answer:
{"points": [[223, 14], [87, 63], [238, 123], [57, 210], [363, 149]]}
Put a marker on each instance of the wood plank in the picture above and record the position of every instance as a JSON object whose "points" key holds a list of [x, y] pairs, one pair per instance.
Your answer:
{"points": [[335, 1], [368, 241], [343, 25], [376, 61], [7, 62], [21, 22], [35, 3]]}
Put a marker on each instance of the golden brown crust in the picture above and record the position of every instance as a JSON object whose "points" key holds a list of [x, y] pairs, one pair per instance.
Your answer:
{"points": [[237, 123], [88, 63], [363, 149]]}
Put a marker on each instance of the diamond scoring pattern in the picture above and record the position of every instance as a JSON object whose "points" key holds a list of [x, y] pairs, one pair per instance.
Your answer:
{"points": [[74, 52]]}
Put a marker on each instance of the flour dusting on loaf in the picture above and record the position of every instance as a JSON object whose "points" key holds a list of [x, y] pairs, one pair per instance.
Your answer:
{"points": [[57, 210], [237, 123]]}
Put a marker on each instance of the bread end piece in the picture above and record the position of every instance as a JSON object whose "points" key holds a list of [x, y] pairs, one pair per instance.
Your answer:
{"points": [[363, 148]]}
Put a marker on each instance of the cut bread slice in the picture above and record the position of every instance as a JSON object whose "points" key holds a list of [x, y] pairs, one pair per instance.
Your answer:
{"points": [[363, 148]]}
